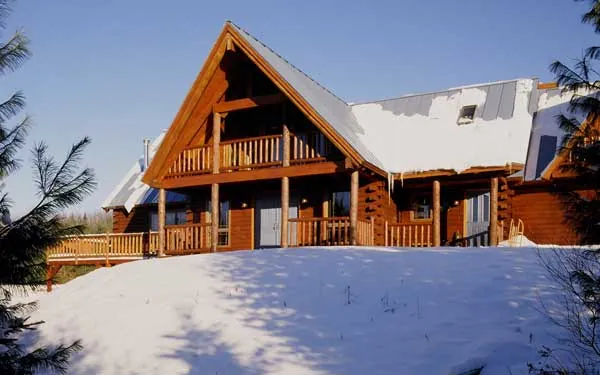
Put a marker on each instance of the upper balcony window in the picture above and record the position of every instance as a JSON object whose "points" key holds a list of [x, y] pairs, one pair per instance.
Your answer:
{"points": [[467, 114]]}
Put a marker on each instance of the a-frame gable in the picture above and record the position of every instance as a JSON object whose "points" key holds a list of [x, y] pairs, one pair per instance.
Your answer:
{"points": [[555, 168], [210, 87]]}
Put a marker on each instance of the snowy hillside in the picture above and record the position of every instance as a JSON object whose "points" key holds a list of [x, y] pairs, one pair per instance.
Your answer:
{"points": [[307, 311]]}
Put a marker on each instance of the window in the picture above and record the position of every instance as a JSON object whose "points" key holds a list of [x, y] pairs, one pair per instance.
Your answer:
{"points": [[546, 153], [421, 208], [172, 217], [223, 239], [467, 114], [340, 204]]}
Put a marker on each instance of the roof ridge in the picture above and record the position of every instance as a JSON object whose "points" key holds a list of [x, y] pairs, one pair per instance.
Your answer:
{"points": [[287, 62], [457, 88]]}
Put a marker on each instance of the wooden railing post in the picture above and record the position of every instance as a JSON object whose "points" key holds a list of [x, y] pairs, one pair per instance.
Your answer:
{"points": [[353, 206], [385, 229], [285, 210], [161, 221], [216, 134], [494, 212], [436, 214]]}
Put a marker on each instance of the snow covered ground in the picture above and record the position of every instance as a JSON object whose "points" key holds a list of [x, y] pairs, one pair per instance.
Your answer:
{"points": [[307, 311]]}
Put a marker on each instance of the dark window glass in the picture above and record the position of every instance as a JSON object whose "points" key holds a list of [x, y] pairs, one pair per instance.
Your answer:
{"points": [[340, 204]]}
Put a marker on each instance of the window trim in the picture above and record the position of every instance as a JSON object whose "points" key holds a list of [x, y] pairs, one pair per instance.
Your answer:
{"points": [[332, 202], [462, 118], [413, 211]]}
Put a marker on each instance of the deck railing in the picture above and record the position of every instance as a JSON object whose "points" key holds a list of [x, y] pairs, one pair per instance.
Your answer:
{"points": [[104, 246], [187, 239], [408, 235], [251, 153], [328, 231]]}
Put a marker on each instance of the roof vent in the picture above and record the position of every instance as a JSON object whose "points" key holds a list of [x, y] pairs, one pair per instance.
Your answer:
{"points": [[467, 114]]}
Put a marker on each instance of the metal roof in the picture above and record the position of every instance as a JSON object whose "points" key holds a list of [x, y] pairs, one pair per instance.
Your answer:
{"points": [[331, 108]]}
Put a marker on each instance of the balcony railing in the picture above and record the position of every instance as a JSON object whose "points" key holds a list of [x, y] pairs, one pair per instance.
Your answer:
{"points": [[408, 235], [107, 247], [328, 231], [251, 153], [187, 239]]}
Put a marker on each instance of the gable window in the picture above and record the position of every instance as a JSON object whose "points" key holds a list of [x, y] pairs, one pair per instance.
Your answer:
{"points": [[340, 204], [421, 208], [172, 217], [546, 153], [467, 114], [224, 219]]}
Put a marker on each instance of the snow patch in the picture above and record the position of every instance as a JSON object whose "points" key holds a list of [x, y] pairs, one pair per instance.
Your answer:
{"points": [[307, 311]]}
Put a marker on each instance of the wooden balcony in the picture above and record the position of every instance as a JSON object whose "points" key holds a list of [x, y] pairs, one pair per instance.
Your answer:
{"points": [[103, 248], [251, 153], [328, 231], [408, 235]]}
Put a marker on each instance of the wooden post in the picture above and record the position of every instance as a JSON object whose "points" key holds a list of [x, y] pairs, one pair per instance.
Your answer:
{"points": [[214, 218], [285, 210], [494, 212], [353, 207], [286, 146], [216, 133], [161, 221], [436, 214]]}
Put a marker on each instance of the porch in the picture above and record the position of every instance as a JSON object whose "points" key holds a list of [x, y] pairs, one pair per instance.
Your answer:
{"points": [[186, 239]]}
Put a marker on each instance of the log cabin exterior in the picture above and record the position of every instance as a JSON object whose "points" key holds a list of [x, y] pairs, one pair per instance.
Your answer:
{"points": [[261, 155]]}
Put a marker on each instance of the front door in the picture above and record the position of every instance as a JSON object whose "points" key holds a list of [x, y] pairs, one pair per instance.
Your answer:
{"points": [[478, 218], [267, 221]]}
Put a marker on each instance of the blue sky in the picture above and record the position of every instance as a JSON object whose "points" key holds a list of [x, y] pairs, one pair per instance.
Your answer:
{"points": [[117, 70]]}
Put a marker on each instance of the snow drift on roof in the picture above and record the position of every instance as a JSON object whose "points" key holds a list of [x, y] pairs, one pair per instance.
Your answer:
{"points": [[132, 191], [421, 132]]}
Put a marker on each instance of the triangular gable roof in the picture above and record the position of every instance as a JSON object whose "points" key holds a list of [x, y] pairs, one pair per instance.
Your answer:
{"points": [[329, 113]]}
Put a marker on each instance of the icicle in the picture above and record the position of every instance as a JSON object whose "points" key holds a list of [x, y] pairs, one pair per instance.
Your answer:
{"points": [[389, 186], [402, 179]]}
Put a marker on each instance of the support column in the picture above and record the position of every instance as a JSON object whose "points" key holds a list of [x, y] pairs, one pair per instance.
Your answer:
{"points": [[285, 184], [353, 207], [214, 217], [437, 238], [285, 210], [162, 203], [494, 212], [214, 192]]}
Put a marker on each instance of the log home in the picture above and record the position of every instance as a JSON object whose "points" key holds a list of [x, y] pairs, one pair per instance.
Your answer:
{"points": [[261, 155]]}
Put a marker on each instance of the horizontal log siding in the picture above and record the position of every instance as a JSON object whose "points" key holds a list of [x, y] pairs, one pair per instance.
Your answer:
{"points": [[137, 220], [373, 202], [542, 213]]}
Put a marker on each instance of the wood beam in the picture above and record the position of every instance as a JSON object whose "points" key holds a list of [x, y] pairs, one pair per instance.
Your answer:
{"points": [[494, 212], [285, 210], [436, 214], [214, 217], [329, 167], [216, 138], [353, 207], [162, 209], [286, 146], [247, 103]]}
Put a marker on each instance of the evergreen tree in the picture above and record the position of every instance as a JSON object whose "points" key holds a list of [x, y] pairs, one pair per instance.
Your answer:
{"points": [[582, 140], [60, 184]]}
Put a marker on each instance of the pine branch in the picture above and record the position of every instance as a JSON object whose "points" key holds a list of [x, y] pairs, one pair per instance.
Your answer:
{"points": [[14, 53]]}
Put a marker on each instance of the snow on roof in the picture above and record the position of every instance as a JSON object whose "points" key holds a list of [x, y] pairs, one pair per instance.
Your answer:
{"points": [[546, 135], [422, 132], [132, 191], [332, 109]]}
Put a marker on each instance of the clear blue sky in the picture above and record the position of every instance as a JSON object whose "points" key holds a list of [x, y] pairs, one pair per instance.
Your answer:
{"points": [[117, 70]]}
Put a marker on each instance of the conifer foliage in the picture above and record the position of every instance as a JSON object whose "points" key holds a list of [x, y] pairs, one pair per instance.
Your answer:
{"points": [[60, 184], [581, 144]]}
